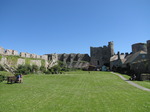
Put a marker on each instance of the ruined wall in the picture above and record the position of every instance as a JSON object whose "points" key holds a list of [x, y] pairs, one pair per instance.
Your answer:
{"points": [[35, 62], [20, 61], [101, 55], [53, 58], [139, 47], [75, 60], [21, 54]]}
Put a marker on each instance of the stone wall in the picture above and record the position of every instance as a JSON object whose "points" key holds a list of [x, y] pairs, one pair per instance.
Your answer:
{"points": [[21, 54], [139, 47], [75, 60], [21, 61], [9, 52], [36, 62], [101, 55], [141, 67], [53, 58]]}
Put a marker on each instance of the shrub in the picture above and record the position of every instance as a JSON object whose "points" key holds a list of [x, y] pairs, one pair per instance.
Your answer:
{"points": [[35, 68], [24, 69], [4, 74], [1, 68], [43, 69]]}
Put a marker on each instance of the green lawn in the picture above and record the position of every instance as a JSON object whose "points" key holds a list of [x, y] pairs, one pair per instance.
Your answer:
{"points": [[145, 84], [73, 92]]}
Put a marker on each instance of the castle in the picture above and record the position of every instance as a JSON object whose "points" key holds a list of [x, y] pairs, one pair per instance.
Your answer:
{"points": [[138, 61], [101, 55]]}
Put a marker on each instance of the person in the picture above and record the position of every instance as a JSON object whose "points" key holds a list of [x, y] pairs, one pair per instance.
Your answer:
{"points": [[21, 78], [134, 77], [18, 78]]}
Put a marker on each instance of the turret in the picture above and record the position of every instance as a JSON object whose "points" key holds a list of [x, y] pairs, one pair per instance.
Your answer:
{"points": [[111, 47]]}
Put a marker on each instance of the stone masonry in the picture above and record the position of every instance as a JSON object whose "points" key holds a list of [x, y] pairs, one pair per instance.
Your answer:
{"points": [[75, 60], [139, 47], [101, 55]]}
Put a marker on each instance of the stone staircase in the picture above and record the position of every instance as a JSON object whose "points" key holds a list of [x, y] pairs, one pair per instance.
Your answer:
{"points": [[9, 68]]}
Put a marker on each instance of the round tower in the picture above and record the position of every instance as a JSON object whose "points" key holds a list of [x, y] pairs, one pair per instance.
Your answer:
{"points": [[111, 47], [139, 47]]}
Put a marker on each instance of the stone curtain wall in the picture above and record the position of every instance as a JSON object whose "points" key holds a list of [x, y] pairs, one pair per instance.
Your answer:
{"points": [[22, 54], [20, 61]]}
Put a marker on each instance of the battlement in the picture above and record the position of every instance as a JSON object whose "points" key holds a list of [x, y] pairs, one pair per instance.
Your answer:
{"points": [[101, 55], [21, 54]]}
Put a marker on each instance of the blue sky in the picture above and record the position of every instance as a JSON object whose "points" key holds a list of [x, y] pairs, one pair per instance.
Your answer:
{"points": [[72, 26]]}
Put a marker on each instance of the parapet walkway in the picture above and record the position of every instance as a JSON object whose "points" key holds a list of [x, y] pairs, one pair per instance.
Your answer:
{"points": [[132, 83]]}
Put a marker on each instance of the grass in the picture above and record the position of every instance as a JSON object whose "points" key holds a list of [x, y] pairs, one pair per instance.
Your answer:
{"points": [[145, 84], [73, 92]]}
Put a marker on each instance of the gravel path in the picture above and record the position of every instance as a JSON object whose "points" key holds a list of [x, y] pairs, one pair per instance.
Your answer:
{"points": [[132, 83]]}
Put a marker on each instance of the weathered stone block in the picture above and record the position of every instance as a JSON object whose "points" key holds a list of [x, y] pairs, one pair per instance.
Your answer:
{"points": [[145, 77], [15, 52], [21, 61], [9, 52], [33, 55], [38, 56], [28, 55], [45, 57], [22, 54], [36, 62]]}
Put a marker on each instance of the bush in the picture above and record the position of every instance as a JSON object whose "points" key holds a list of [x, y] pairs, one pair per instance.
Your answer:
{"points": [[24, 69], [43, 69], [4, 74], [35, 68], [1, 68]]}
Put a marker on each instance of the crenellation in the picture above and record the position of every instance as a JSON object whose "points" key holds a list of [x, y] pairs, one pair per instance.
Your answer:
{"points": [[22, 54], [27, 55], [33, 56], [14, 52], [45, 57], [101, 55], [8, 52]]}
